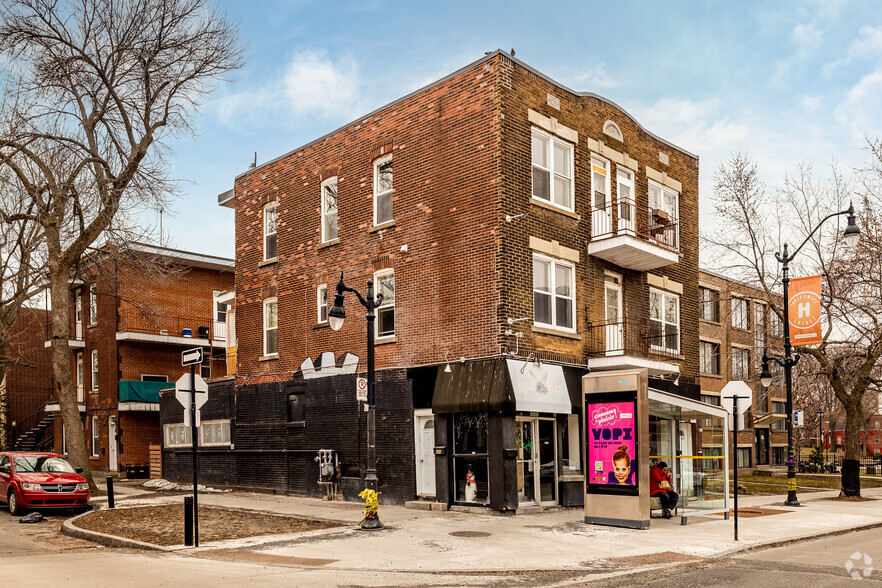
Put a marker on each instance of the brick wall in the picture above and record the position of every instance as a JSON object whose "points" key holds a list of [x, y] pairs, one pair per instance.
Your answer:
{"points": [[29, 371]]}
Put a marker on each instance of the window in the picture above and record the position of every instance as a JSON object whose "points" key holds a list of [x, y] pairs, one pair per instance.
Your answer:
{"points": [[552, 170], [709, 304], [214, 433], [270, 327], [94, 436], [570, 447], [759, 327], [151, 378], [382, 191], [80, 370], [178, 435], [295, 408], [270, 242], [625, 193], [776, 326], [761, 394], [740, 316], [205, 369], [663, 213], [329, 210], [78, 312], [779, 456], [664, 321], [709, 357], [94, 370], [740, 363], [779, 408], [322, 299], [93, 305], [710, 399], [554, 293], [470, 454], [385, 285], [743, 459], [600, 184]]}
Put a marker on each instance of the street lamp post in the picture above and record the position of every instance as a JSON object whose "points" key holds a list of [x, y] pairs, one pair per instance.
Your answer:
{"points": [[851, 236], [335, 319]]}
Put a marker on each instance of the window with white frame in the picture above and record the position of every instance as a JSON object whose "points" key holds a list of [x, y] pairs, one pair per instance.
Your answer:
{"points": [[600, 183], [554, 293], [740, 363], [709, 304], [664, 321], [93, 305], [95, 436], [94, 370], [709, 357], [322, 300], [664, 205], [625, 194], [177, 435], [270, 241], [743, 457], [329, 210], [779, 408], [211, 433], [740, 312], [383, 190], [270, 326], [552, 162], [384, 283], [78, 312]]}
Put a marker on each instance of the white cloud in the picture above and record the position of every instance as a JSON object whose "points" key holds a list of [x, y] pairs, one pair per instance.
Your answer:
{"points": [[868, 44], [861, 111], [312, 85], [594, 77]]}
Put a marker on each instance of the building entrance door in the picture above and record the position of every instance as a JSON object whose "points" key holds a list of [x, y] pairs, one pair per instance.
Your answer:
{"points": [[424, 443], [111, 443], [537, 461]]}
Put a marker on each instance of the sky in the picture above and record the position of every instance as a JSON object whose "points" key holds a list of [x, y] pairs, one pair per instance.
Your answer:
{"points": [[782, 82]]}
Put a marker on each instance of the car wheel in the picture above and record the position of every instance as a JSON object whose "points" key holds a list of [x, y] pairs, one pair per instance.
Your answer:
{"points": [[15, 508]]}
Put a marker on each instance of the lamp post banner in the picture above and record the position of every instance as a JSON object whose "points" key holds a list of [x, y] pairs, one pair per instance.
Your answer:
{"points": [[804, 309]]}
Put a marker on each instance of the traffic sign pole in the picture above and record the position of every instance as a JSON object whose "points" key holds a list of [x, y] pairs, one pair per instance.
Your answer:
{"points": [[193, 432]]}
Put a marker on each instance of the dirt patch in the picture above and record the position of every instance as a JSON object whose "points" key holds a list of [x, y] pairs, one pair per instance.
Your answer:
{"points": [[748, 513], [651, 559], [851, 499], [164, 524]]}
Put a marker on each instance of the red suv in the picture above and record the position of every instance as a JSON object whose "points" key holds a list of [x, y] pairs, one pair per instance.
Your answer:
{"points": [[40, 481]]}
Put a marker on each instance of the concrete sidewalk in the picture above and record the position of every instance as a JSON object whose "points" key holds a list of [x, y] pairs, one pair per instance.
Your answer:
{"points": [[423, 541]]}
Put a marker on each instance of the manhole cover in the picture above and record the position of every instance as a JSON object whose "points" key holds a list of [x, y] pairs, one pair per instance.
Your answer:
{"points": [[469, 534]]}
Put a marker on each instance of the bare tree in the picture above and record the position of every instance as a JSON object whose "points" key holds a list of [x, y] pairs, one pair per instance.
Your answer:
{"points": [[753, 225], [96, 89]]}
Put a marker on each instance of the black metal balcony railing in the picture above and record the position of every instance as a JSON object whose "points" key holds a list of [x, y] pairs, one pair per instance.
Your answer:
{"points": [[625, 217], [630, 337]]}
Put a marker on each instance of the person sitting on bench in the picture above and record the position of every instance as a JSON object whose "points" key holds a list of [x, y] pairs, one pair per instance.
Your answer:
{"points": [[660, 487]]}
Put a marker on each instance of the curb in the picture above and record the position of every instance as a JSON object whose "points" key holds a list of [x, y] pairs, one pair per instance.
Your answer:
{"points": [[68, 528], [800, 539]]}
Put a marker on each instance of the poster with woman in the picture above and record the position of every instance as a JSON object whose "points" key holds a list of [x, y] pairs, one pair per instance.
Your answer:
{"points": [[611, 443]]}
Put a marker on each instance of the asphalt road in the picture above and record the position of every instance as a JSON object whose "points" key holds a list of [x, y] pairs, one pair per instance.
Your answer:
{"points": [[62, 560]]}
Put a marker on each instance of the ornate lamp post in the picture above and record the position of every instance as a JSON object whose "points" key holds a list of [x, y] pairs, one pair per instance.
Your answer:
{"points": [[851, 236], [335, 318]]}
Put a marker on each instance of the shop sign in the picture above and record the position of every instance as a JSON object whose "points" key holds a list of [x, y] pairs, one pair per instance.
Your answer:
{"points": [[611, 443], [804, 311]]}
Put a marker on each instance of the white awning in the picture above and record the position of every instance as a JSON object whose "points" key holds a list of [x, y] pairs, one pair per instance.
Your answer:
{"points": [[687, 404], [539, 387]]}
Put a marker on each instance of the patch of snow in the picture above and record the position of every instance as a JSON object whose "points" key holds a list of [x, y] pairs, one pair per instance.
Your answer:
{"points": [[161, 484]]}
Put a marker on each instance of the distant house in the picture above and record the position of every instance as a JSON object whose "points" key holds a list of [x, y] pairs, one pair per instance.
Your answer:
{"points": [[129, 324]]}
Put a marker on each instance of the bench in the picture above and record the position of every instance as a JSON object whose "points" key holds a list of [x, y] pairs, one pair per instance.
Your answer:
{"points": [[655, 504]]}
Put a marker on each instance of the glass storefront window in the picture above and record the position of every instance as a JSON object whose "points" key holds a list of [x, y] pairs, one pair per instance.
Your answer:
{"points": [[470, 469], [571, 462]]}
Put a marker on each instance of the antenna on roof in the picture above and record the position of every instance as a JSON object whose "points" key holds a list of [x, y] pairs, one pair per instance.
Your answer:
{"points": [[254, 163]]}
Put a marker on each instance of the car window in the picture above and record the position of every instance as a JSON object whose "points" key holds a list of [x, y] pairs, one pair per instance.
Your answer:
{"points": [[42, 463], [4, 460]]}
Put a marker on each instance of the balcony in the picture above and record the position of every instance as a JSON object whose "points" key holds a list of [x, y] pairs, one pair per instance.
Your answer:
{"points": [[173, 330], [75, 341], [627, 343], [634, 237]]}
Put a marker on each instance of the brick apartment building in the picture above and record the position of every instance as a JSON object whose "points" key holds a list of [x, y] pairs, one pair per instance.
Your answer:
{"points": [[529, 233], [129, 324], [736, 326], [28, 383]]}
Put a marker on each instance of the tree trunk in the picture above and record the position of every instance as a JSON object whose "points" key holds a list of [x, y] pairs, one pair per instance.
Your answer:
{"points": [[62, 370], [851, 468]]}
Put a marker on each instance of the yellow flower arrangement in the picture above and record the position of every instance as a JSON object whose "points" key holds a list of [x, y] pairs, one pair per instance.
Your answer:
{"points": [[371, 504]]}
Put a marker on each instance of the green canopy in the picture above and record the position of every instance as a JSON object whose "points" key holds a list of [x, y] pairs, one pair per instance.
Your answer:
{"points": [[138, 391]]}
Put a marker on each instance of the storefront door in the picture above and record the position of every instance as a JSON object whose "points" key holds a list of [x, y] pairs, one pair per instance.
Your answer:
{"points": [[537, 461], [424, 442]]}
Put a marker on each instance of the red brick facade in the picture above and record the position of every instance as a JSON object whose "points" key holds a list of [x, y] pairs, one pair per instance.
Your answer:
{"points": [[461, 153], [29, 373], [139, 331]]}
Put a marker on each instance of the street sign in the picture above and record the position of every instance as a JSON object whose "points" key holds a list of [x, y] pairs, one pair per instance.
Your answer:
{"points": [[184, 395], [745, 400], [191, 356], [798, 419], [361, 392], [804, 311]]}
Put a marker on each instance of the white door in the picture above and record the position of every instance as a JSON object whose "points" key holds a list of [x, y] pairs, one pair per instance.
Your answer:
{"points": [[424, 441], [626, 200], [111, 442], [601, 210], [80, 396], [615, 336], [78, 314]]}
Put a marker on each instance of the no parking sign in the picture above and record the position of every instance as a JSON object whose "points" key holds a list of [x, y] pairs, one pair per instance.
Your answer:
{"points": [[361, 392]]}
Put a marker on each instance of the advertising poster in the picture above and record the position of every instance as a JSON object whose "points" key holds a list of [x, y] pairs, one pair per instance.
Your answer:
{"points": [[804, 310], [611, 444]]}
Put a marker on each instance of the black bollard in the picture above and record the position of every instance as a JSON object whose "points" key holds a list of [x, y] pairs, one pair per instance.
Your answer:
{"points": [[109, 491], [188, 521]]}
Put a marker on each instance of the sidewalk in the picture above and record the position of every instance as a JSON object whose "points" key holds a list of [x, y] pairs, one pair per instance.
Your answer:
{"points": [[421, 541]]}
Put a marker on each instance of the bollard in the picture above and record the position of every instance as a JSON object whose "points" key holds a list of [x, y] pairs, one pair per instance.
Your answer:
{"points": [[109, 491], [188, 521]]}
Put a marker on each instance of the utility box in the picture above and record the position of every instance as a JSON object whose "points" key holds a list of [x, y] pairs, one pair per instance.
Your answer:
{"points": [[615, 427]]}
